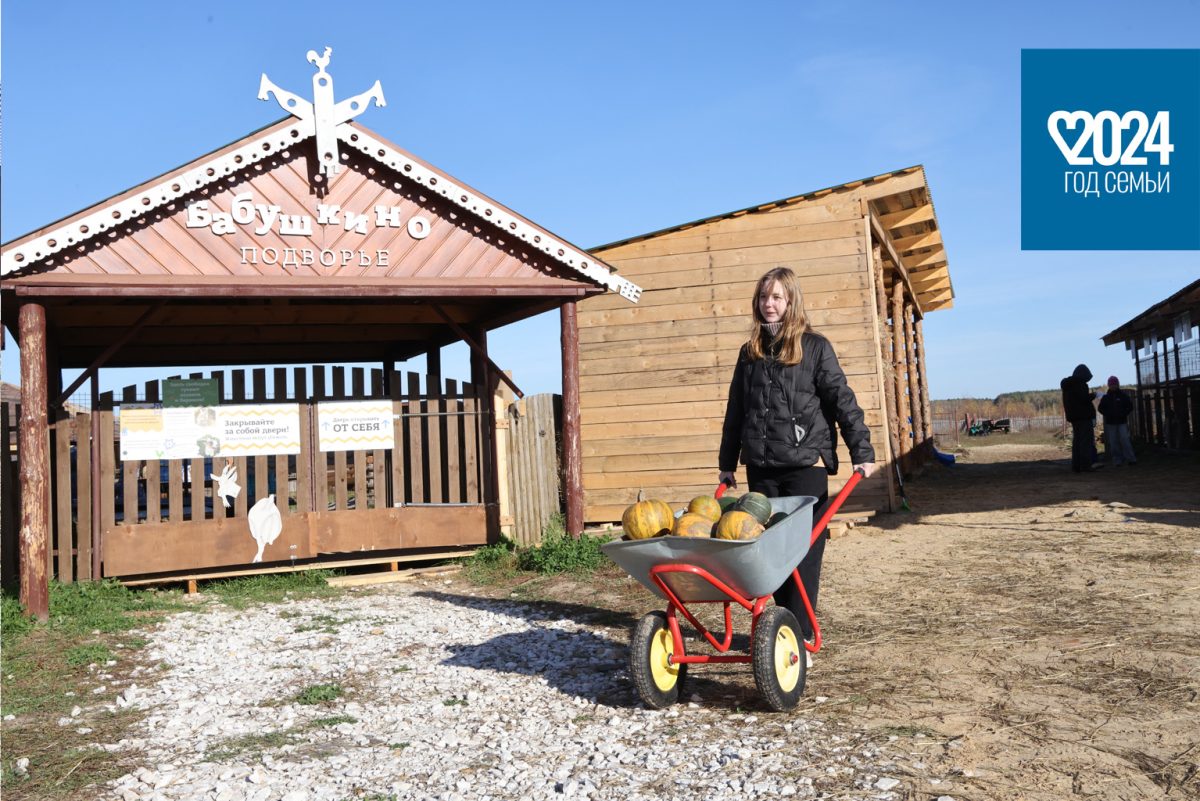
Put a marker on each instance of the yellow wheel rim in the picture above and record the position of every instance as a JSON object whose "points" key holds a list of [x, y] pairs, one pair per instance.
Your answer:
{"points": [[788, 654], [664, 672]]}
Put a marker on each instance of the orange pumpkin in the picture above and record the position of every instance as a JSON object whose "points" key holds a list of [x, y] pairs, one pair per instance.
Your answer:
{"points": [[737, 525], [646, 519], [706, 506], [690, 524]]}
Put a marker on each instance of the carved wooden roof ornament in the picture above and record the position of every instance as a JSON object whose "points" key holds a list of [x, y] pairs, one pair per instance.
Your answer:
{"points": [[322, 116], [327, 122]]}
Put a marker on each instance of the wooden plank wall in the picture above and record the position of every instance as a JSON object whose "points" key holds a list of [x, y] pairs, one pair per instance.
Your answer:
{"points": [[654, 377]]}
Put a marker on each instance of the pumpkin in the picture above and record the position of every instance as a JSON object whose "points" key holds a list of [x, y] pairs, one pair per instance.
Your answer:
{"points": [[778, 517], [727, 502], [737, 525], [756, 504], [691, 524], [646, 519], [706, 506]]}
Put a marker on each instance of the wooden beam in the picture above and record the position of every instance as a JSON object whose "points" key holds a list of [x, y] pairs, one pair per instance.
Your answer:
{"points": [[928, 239], [35, 464], [478, 350], [571, 445], [885, 240], [108, 352], [911, 216]]}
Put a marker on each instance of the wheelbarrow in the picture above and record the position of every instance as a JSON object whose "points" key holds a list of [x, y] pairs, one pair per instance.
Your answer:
{"points": [[695, 570]]}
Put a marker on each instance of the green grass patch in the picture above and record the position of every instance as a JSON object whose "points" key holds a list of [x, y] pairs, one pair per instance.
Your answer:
{"points": [[249, 745], [319, 694], [82, 655], [335, 720], [560, 553], [325, 623], [246, 591]]}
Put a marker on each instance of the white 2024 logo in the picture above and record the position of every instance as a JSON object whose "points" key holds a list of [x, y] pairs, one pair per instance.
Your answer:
{"points": [[1107, 139]]}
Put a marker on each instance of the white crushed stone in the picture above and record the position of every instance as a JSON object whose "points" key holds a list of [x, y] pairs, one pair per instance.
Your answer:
{"points": [[448, 698]]}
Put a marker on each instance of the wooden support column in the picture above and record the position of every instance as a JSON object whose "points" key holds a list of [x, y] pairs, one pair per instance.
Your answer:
{"points": [[1159, 436], [97, 472], [904, 430], [1141, 409], [35, 463], [914, 386], [572, 449], [926, 405], [485, 381], [887, 358]]}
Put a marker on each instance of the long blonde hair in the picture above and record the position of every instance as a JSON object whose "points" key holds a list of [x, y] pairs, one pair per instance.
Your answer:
{"points": [[795, 321]]}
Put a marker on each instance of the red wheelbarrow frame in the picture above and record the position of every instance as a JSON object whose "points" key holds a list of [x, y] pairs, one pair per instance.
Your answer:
{"points": [[754, 606]]}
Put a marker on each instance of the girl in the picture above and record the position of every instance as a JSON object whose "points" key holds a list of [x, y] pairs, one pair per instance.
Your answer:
{"points": [[787, 392]]}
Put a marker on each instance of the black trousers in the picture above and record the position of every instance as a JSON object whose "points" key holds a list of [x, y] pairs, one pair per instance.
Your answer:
{"points": [[777, 482]]}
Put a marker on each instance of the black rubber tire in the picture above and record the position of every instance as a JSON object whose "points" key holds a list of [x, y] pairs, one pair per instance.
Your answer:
{"points": [[775, 670], [658, 683]]}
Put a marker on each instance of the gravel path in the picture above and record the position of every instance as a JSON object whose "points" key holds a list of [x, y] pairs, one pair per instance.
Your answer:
{"points": [[452, 698]]}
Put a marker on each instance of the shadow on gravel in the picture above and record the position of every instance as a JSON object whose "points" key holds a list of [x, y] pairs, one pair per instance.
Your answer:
{"points": [[538, 610], [584, 664]]}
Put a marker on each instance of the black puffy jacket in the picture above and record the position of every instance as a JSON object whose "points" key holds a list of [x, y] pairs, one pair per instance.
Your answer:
{"points": [[784, 415]]}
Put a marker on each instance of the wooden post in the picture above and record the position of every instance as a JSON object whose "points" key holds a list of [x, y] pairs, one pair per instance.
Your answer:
{"points": [[914, 387], [887, 356], [902, 410], [97, 490], [35, 463], [1158, 402], [926, 407], [571, 448], [485, 383]]}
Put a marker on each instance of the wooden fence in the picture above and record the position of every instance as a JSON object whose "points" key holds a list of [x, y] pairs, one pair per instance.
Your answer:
{"points": [[143, 509], [532, 466], [147, 512]]}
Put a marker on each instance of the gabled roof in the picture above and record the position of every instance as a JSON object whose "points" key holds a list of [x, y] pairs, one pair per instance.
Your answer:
{"points": [[39, 249], [904, 207]]}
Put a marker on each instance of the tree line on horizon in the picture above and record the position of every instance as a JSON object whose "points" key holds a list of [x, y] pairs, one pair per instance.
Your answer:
{"points": [[1026, 403]]}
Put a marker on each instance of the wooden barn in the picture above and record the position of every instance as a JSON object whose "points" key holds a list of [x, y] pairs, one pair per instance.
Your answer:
{"points": [[654, 378], [309, 242], [1164, 341]]}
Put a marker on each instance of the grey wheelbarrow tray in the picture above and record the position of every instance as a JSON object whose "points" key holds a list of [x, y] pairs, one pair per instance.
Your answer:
{"points": [[752, 568]]}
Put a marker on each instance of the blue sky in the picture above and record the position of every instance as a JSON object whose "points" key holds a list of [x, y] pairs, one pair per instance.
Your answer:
{"points": [[602, 121]]}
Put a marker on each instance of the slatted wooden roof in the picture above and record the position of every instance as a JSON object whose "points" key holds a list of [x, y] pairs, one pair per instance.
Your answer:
{"points": [[904, 206], [353, 288]]}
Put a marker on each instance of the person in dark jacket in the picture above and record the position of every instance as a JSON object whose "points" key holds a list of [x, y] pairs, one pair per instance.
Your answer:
{"points": [[1116, 407], [788, 392], [1081, 414]]}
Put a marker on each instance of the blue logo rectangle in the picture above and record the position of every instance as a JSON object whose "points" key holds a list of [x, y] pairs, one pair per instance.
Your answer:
{"points": [[1110, 149]]}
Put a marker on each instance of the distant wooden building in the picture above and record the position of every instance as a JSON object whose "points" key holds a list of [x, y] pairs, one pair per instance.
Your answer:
{"points": [[654, 378], [1164, 341]]}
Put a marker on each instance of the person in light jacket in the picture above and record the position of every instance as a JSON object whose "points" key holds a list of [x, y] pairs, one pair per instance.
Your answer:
{"points": [[787, 399]]}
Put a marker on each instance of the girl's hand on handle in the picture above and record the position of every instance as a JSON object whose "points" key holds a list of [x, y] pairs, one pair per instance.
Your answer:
{"points": [[867, 468], [727, 478]]}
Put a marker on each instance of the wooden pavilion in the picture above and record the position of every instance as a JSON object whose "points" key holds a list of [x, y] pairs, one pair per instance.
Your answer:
{"points": [[655, 377], [311, 240], [1164, 341]]}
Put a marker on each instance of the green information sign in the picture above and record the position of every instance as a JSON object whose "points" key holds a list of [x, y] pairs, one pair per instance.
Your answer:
{"points": [[189, 392]]}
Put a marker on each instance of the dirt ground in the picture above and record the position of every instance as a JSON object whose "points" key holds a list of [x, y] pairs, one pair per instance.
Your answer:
{"points": [[1031, 632]]}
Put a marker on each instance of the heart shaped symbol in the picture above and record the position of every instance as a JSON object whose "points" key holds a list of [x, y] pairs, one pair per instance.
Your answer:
{"points": [[1071, 120]]}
